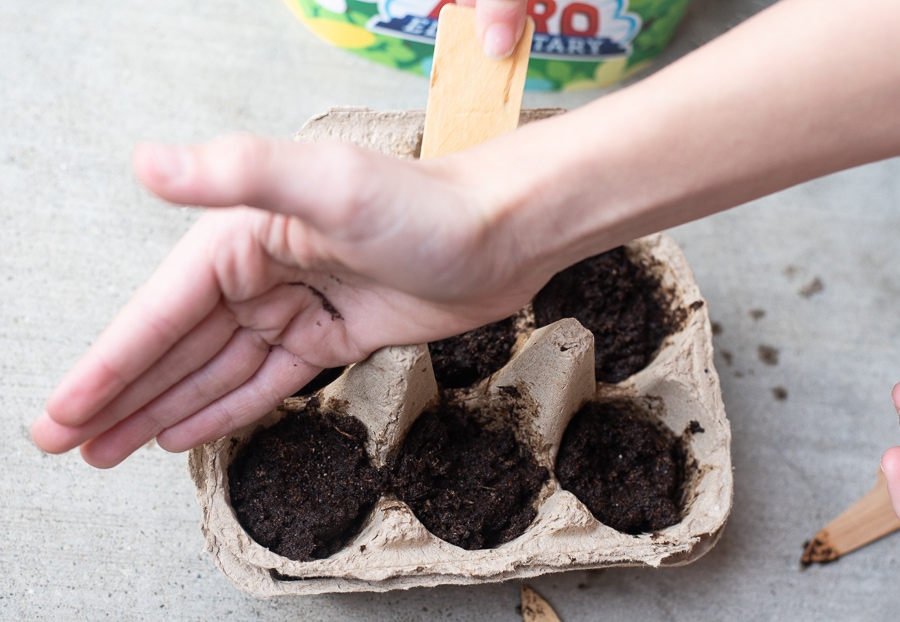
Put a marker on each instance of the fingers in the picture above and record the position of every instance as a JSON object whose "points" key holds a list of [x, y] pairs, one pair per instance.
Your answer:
{"points": [[189, 355], [232, 366], [499, 24], [281, 374], [173, 302], [890, 464], [240, 361], [194, 374]]}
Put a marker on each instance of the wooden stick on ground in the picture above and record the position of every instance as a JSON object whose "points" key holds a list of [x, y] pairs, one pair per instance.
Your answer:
{"points": [[472, 98], [867, 520], [535, 608]]}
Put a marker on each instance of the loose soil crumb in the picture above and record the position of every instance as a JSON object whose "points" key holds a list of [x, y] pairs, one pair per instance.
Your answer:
{"points": [[470, 485], [623, 306], [469, 358], [326, 304], [780, 393], [303, 486], [813, 287], [629, 472], [768, 355], [757, 314]]}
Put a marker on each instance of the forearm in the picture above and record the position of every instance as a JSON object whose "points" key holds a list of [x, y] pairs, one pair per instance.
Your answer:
{"points": [[797, 92]]}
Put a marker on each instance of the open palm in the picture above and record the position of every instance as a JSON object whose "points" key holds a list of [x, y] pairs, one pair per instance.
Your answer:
{"points": [[344, 251]]}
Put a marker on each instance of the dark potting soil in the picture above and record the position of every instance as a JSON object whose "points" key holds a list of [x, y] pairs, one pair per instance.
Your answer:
{"points": [[623, 306], [471, 485], [629, 472], [466, 359], [303, 486]]}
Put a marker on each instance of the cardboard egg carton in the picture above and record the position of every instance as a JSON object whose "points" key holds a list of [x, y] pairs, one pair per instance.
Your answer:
{"points": [[553, 367]]}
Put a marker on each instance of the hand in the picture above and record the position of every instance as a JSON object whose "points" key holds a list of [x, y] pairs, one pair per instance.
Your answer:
{"points": [[499, 24], [344, 251], [890, 462]]}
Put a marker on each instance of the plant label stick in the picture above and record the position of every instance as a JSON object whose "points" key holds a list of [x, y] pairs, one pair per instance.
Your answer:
{"points": [[535, 608], [870, 518], [472, 98]]}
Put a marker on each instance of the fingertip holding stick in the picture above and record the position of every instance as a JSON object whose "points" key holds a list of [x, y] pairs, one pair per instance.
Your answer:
{"points": [[870, 518], [472, 98], [499, 41]]}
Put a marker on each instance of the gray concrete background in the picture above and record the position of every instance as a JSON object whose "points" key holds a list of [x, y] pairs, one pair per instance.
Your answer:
{"points": [[83, 82]]}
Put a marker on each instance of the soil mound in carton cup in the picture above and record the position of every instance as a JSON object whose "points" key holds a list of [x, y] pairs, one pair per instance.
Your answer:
{"points": [[627, 469], [470, 483], [577, 43], [623, 306], [303, 487], [565, 467], [466, 359]]}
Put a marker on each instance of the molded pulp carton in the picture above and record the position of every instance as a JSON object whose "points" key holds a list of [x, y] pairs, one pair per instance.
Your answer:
{"points": [[554, 367]]}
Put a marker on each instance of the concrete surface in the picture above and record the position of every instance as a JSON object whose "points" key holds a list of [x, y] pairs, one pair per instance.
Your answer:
{"points": [[83, 82]]}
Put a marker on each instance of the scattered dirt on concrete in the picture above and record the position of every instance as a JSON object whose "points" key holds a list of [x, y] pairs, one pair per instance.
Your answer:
{"points": [[768, 354], [813, 287]]}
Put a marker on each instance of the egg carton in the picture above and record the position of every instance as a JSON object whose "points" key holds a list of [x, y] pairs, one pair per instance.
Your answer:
{"points": [[554, 367]]}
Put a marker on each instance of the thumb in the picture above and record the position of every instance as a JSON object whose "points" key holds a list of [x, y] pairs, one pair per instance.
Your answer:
{"points": [[499, 24], [327, 183]]}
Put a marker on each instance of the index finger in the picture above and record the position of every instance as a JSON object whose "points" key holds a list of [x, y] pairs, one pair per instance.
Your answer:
{"points": [[499, 24]]}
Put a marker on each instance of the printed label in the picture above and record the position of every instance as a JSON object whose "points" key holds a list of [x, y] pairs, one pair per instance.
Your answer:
{"points": [[587, 30]]}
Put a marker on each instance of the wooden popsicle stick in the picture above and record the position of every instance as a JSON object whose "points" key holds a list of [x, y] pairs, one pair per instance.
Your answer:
{"points": [[472, 98], [535, 608], [867, 520]]}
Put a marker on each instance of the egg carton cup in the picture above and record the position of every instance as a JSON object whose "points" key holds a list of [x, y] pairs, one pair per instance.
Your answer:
{"points": [[552, 369]]}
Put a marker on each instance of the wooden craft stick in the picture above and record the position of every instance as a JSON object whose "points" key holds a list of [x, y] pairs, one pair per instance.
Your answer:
{"points": [[867, 520], [472, 98], [535, 608]]}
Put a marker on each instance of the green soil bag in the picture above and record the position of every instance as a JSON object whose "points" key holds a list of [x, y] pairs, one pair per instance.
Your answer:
{"points": [[577, 44]]}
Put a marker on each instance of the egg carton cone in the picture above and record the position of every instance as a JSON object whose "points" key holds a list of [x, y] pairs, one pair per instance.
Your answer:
{"points": [[553, 367]]}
